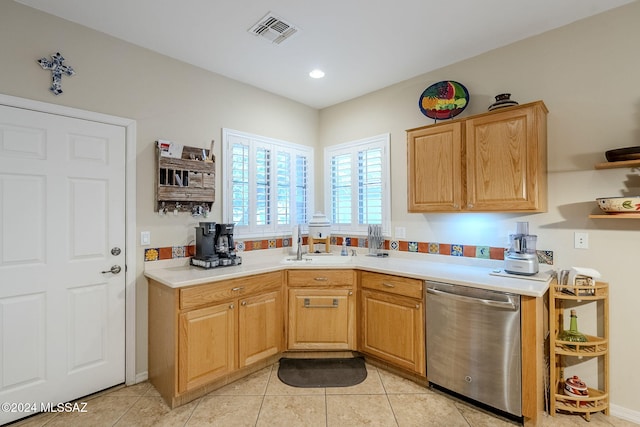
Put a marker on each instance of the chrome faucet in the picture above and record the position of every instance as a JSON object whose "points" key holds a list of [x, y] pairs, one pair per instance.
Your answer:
{"points": [[299, 253]]}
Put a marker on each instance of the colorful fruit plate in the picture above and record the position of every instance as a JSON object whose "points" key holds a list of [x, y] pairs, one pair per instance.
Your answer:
{"points": [[444, 100]]}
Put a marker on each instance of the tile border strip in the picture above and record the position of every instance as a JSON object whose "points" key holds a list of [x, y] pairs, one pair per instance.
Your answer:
{"points": [[436, 248]]}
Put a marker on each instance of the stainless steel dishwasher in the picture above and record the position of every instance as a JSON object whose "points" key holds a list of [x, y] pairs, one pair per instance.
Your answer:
{"points": [[473, 344]]}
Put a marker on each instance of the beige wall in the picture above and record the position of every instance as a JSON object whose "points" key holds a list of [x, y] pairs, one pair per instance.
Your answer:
{"points": [[587, 75], [168, 99]]}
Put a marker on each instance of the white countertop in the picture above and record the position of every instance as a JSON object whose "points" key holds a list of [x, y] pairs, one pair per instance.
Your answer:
{"points": [[178, 273]]}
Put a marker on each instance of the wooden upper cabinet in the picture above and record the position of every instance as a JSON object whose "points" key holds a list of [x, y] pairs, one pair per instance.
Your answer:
{"points": [[495, 161], [507, 160], [435, 168]]}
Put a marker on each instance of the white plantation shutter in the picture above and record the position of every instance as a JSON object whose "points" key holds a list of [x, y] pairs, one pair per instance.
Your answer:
{"points": [[358, 192], [262, 186], [267, 184], [239, 169], [302, 195], [370, 186], [341, 189]]}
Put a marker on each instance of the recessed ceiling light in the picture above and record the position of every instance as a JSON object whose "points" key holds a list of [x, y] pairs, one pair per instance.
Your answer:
{"points": [[316, 74]]}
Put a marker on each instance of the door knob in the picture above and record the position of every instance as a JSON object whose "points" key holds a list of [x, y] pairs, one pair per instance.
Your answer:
{"points": [[116, 251], [115, 269]]}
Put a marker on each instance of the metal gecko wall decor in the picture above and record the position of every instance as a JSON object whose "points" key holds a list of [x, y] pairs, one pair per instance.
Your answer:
{"points": [[57, 70]]}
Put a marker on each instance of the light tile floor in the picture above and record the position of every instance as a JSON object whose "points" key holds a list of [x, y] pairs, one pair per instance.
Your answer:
{"points": [[261, 399]]}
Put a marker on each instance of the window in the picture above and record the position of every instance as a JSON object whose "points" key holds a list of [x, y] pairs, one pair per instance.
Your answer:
{"points": [[267, 183], [358, 184]]}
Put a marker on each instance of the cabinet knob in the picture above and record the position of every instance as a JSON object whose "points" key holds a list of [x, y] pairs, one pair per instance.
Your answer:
{"points": [[236, 289], [231, 306], [350, 293], [243, 303], [417, 305], [456, 206], [320, 279], [470, 206]]}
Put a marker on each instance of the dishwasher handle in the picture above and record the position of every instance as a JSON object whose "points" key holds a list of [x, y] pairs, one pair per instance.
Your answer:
{"points": [[509, 305]]}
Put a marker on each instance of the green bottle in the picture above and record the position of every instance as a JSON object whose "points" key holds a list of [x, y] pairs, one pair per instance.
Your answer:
{"points": [[572, 334]]}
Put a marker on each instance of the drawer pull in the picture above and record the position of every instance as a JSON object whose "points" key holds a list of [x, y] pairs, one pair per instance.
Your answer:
{"points": [[388, 285], [307, 304], [320, 279], [239, 288]]}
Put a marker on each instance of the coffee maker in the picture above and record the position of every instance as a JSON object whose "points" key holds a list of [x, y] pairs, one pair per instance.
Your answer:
{"points": [[205, 256], [522, 258], [225, 247]]}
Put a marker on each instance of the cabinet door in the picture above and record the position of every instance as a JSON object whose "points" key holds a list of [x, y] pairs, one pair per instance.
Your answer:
{"points": [[393, 330], [506, 160], [321, 319], [260, 327], [434, 168], [206, 345]]}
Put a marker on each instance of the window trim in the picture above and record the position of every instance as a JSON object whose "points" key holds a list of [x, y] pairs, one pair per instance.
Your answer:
{"points": [[382, 141], [273, 229]]}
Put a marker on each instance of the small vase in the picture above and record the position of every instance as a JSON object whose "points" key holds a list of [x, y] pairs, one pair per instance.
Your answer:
{"points": [[502, 100]]}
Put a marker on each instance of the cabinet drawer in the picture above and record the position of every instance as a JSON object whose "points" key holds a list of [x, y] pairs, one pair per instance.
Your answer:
{"points": [[199, 295], [315, 278], [392, 284]]}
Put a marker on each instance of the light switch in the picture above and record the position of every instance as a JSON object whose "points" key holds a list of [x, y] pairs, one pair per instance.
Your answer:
{"points": [[145, 238], [401, 232]]}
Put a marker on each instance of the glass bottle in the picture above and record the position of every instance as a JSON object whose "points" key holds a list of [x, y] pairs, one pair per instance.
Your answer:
{"points": [[572, 335]]}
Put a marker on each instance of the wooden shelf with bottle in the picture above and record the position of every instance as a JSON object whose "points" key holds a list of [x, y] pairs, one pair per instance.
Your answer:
{"points": [[595, 346]]}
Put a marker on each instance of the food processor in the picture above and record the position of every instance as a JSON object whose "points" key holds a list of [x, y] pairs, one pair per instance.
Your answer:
{"points": [[521, 257]]}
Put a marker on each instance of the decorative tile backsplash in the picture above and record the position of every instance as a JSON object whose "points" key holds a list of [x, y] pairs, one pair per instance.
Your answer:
{"points": [[450, 249]]}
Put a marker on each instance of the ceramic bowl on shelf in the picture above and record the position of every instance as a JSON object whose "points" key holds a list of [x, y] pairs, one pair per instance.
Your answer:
{"points": [[575, 387], [629, 204]]}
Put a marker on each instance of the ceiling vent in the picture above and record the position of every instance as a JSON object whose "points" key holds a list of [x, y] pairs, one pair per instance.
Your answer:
{"points": [[273, 29]]}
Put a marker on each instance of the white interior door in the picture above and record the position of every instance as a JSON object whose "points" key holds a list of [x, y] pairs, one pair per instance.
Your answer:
{"points": [[62, 216]]}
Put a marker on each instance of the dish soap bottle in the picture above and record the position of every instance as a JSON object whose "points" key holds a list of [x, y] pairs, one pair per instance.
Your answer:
{"points": [[572, 335], [344, 249]]}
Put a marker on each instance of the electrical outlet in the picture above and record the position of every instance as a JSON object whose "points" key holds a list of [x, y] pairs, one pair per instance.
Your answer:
{"points": [[145, 238], [581, 240]]}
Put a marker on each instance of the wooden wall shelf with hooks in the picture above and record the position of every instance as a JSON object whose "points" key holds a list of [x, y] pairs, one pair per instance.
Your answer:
{"points": [[182, 183]]}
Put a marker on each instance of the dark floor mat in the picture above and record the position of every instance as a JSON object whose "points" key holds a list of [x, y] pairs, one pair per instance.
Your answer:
{"points": [[313, 373]]}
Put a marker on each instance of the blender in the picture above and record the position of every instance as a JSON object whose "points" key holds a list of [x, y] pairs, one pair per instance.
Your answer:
{"points": [[521, 257]]}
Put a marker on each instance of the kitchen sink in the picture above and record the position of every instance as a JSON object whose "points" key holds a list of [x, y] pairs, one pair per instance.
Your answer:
{"points": [[318, 260]]}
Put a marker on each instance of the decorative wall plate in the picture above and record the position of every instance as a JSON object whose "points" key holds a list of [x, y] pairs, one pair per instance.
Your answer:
{"points": [[444, 100]]}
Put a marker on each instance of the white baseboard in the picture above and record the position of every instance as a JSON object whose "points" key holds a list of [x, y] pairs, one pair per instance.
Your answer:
{"points": [[142, 377], [625, 414]]}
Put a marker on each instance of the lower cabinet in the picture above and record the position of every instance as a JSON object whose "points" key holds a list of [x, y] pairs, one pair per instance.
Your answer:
{"points": [[204, 333], [321, 309], [260, 327], [206, 345], [392, 324], [321, 319]]}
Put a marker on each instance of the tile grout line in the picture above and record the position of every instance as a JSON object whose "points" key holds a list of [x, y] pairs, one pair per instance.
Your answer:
{"points": [[264, 394], [126, 410]]}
